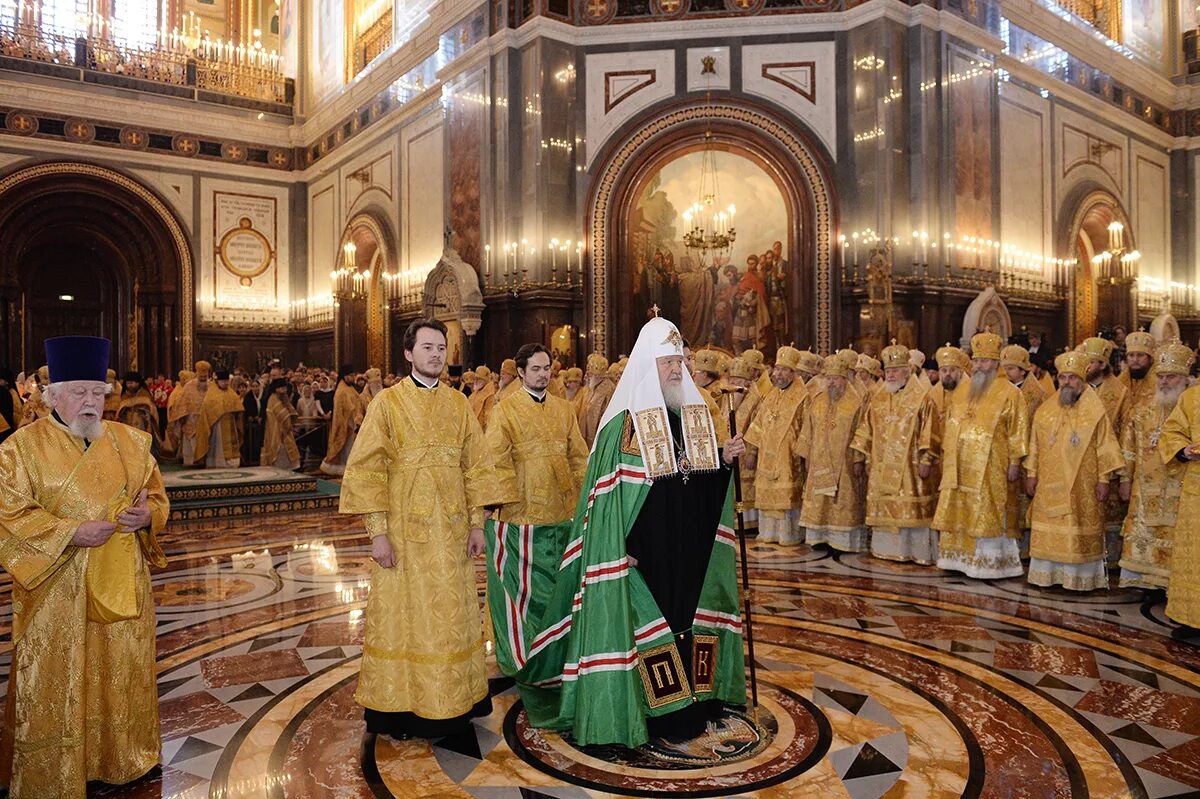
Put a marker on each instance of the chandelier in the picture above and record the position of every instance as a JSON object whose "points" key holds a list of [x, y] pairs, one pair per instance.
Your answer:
{"points": [[1117, 264], [708, 229]]}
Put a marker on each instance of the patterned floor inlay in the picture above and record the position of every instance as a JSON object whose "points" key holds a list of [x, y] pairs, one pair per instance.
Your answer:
{"points": [[876, 680]]}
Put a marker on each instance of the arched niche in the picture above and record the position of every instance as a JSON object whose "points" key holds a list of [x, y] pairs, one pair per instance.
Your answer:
{"points": [[85, 249], [1092, 304], [987, 312], [786, 153], [362, 328]]}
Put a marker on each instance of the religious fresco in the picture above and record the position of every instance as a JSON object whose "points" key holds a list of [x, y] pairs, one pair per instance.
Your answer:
{"points": [[1145, 27], [735, 301]]}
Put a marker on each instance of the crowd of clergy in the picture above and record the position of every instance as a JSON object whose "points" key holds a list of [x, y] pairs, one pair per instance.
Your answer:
{"points": [[980, 464]]}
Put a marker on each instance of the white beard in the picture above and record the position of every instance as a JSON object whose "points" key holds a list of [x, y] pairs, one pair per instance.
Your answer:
{"points": [[1167, 398], [981, 381], [673, 395], [89, 430], [893, 386]]}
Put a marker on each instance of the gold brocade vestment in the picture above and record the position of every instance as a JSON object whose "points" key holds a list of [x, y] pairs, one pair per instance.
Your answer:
{"points": [[82, 695], [139, 411], [981, 439], [1149, 529], [222, 409], [539, 457], [1017, 509], [744, 415], [833, 496], [34, 408], [1139, 391], [182, 414], [593, 411], [278, 437], [420, 473], [1181, 430], [347, 415], [779, 477], [1070, 451], [897, 434], [482, 402]]}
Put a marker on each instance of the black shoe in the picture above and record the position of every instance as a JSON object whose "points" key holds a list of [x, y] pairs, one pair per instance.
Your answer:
{"points": [[1186, 635]]}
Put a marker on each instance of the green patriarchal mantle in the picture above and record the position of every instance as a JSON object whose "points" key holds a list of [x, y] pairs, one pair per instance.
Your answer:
{"points": [[580, 631]]}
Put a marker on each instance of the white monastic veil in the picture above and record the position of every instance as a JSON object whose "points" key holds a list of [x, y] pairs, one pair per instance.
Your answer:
{"points": [[640, 393]]}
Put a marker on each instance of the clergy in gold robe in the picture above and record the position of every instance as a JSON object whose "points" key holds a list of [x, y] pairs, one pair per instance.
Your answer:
{"points": [[219, 426], [538, 452], [1180, 441], [510, 382], [707, 372], [371, 390], [176, 416], [600, 391], [1115, 396], [279, 439], [1153, 488], [420, 476], [1140, 368], [832, 510], [112, 404], [772, 440], [986, 437], [343, 427], [557, 386], [899, 436], [1073, 454], [954, 367], [483, 396], [745, 404], [35, 407], [81, 503], [137, 408], [191, 401], [572, 380], [868, 374], [1014, 361]]}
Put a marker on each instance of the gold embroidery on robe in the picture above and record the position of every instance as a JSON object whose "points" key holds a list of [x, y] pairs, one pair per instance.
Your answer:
{"points": [[1182, 429], [779, 478]]}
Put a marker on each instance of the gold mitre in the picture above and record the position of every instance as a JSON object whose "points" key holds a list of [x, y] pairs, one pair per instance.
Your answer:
{"points": [[1172, 359], [509, 367], [614, 371], [185, 375], [1096, 349], [597, 364], [483, 373], [897, 355], [848, 356], [1015, 355], [812, 363], [373, 374], [916, 359], [43, 374], [723, 361], [1073, 363], [754, 358], [740, 367], [789, 357], [110, 375], [203, 368], [574, 373], [835, 366], [708, 361], [869, 365], [986, 345], [1140, 341], [949, 355], [468, 376]]}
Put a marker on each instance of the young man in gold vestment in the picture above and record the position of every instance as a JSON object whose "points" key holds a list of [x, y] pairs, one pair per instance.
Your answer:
{"points": [[953, 368], [900, 436], [219, 426], [1154, 487], [779, 475], [986, 437], [81, 501], [1073, 453], [832, 510], [420, 476], [538, 453]]}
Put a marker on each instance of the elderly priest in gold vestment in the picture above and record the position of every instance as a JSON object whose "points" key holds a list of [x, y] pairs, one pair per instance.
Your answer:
{"points": [[1073, 454], [900, 437], [986, 437], [420, 475], [1154, 487], [81, 501], [1180, 441], [538, 452]]}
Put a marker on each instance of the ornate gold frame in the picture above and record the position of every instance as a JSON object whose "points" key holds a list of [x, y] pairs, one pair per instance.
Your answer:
{"points": [[187, 289]]}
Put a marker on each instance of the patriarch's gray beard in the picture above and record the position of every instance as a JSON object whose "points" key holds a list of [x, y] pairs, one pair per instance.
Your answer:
{"points": [[836, 392], [1068, 396], [892, 386], [981, 381], [673, 395], [90, 429]]}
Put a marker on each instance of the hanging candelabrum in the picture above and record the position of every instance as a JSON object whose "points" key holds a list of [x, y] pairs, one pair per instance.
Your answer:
{"points": [[559, 260], [1117, 265]]}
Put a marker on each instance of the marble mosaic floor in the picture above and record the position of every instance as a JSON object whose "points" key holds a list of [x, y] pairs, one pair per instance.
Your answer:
{"points": [[877, 679]]}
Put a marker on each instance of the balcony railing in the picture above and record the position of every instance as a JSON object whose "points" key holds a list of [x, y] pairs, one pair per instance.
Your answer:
{"points": [[373, 42], [258, 80]]}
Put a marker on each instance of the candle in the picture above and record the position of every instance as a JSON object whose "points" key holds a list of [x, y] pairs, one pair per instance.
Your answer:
{"points": [[487, 262]]}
